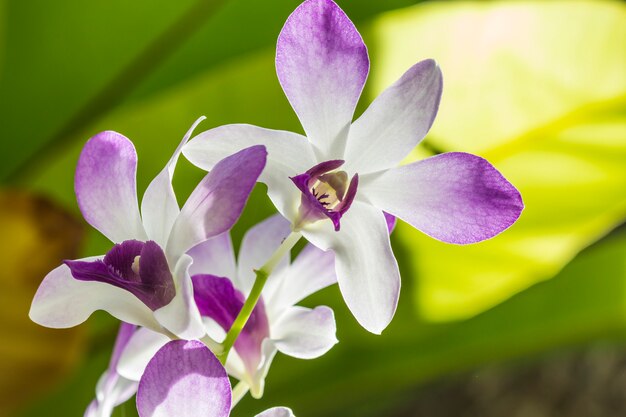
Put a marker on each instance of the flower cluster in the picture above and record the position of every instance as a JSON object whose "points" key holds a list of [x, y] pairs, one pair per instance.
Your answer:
{"points": [[194, 316]]}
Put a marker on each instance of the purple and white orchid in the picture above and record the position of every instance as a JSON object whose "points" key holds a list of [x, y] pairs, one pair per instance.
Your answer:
{"points": [[276, 324], [185, 379], [144, 279], [336, 186]]}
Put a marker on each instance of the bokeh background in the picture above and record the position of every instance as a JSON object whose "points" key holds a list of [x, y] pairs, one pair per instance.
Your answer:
{"points": [[529, 324]]}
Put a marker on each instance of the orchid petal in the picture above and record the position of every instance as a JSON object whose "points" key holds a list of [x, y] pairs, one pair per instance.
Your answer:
{"points": [[391, 221], [92, 409], [322, 65], [367, 271], [184, 379], [181, 315], [62, 301], [277, 412], [216, 203], [141, 347], [152, 283], [105, 186], [124, 336], [257, 246], [396, 121], [159, 207], [236, 368], [288, 154], [453, 197], [234, 364], [304, 333], [257, 381], [112, 390], [216, 256], [218, 299], [310, 272]]}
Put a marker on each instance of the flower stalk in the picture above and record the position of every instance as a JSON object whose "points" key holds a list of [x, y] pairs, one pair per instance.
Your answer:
{"points": [[262, 274]]}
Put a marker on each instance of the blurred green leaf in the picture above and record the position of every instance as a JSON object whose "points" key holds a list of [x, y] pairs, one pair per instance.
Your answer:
{"points": [[60, 55], [2, 34], [539, 89], [367, 375], [365, 370], [70, 63]]}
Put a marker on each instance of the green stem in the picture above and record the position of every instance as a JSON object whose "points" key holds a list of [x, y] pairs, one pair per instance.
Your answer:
{"points": [[262, 274]]}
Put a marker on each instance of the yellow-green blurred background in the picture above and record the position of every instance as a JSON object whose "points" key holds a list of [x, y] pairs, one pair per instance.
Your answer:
{"points": [[528, 324]]}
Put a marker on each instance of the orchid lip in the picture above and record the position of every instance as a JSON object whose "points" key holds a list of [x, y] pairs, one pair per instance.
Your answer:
{"points": [[218, 299], [138, 267], [326, 193]]}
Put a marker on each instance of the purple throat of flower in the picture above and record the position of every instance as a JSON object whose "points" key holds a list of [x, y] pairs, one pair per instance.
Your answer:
{"points": [[326, 193], [138, 267], [217, 298]]}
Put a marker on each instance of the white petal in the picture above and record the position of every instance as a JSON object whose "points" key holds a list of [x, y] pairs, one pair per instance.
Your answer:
{"points": [[159, 207], [181, 315], [184, 379], [396, 121], [217, 202], [276, 412], [322, 65], [257, 246], [310, 272], [213, 329], [304, 333], [62, 301], [454, 197], [257, 384], [289, 154], [106, 189], [236, 368], [216, 256], [111, 391], [367, 271], [142, 346]]}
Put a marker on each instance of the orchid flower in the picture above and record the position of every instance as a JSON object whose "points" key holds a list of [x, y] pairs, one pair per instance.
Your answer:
{"points": [[185, 379], [276, 324], [144, 279], [113, 389], [336, 184]]}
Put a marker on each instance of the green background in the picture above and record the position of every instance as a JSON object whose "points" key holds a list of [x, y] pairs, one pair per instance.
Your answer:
{"points": [[537, 88]]}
